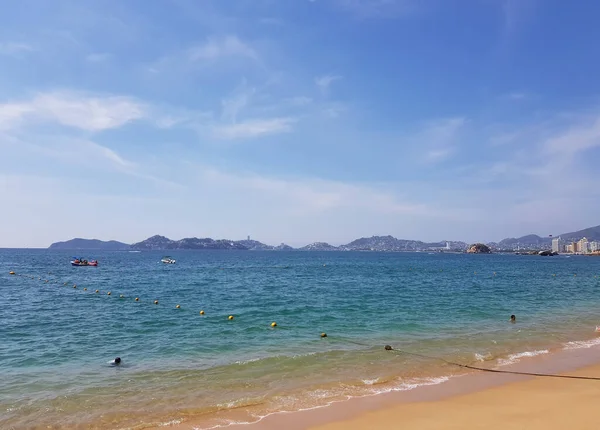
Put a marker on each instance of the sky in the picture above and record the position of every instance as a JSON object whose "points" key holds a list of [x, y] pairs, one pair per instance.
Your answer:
{"points": [[298, 120]]}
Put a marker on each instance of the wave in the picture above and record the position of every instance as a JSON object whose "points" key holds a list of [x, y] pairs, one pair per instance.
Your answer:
{"points": [[327, 397], [515, 358], [579, 344]]}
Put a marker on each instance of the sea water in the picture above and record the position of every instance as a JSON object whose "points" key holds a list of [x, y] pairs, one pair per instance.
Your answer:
{"points": [[56, 341]]}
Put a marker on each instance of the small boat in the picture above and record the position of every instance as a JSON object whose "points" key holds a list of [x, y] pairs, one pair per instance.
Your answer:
{"points": [[77, 261], [167, 260]]}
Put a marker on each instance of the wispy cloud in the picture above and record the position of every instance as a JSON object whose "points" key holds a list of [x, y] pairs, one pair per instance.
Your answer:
{"points": [[253, 128], [98, 57], [12, 48], [365, 9], [82, 111], [219, 47], [314, 194], [578, 138], [325, 81], [440, 137]]}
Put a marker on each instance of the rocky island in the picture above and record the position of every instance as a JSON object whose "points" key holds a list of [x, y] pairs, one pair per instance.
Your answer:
{"points": [[479, 248]]}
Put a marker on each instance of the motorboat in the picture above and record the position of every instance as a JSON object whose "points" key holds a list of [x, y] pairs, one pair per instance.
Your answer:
{"points": [[78, 261], [167, 260]]}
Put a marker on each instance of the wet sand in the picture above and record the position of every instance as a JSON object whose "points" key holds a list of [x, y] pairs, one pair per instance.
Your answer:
{"points": [[478, 400], [541, 403]]}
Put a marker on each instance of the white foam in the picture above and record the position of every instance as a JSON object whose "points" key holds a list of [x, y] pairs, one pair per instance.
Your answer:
{"points": [[514, 358], [579, 344], [323, 394], [171, 423], [370, 381], [483, 357]]}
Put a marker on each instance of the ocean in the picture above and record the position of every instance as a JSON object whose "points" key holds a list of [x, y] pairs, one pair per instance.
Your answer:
{"points": [[56, 340]]}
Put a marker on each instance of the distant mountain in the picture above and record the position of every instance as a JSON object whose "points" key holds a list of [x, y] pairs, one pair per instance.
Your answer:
{"points": [[525, 241], [319, 246], [390, 243], [591, 233], [163, 243], [533, 241], [89, 244]]}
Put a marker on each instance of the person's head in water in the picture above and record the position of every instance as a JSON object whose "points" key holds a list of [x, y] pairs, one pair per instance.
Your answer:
{"points": [[513, 318], [117, 361]]}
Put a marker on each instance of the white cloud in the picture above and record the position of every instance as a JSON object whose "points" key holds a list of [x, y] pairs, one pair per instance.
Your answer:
{"points": [[85, 112], [378, 8], [440, 137], [218, 47], [98, 57], [11, 48], [299, 101], [11, 114], [310, 195], [253, 128], [324, 82], [517, 96], [438, 154], [578, 138]]}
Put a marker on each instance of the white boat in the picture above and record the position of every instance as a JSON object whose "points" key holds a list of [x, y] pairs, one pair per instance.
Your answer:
{"points": [[167, 260]]}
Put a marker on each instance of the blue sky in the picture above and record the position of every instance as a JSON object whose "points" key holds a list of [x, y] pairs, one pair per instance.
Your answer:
{"points": [[297, 120]]}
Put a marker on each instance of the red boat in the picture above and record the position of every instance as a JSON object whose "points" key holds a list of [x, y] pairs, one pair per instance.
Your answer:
{"points": [[81, 262]]}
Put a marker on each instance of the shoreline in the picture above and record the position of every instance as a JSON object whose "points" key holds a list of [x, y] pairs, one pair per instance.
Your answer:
{"points": [[538, 403], [583, 356]]}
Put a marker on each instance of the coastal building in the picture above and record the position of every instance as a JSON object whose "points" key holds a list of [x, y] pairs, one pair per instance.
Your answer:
{"points": [[557, 245], [594, 246], [582, 246]]}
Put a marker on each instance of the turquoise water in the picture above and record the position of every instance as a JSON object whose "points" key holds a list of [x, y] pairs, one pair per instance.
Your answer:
{"points": [[56, 340]]}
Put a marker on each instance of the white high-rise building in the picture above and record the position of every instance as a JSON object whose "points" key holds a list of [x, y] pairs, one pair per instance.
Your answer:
{"points": [[582, 246], [557, 245], [594, 246]]}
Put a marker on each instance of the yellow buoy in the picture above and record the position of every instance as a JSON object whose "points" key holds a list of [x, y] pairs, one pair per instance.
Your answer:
{"points": [[201, 312], [273, 324], [97, 291], [85, 289], [230, 317], [323, 334], [156, 302], [108, 294], [177, 307], [137, 299], [11, 273]]}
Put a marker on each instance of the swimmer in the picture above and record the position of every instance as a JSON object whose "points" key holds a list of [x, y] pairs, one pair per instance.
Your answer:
{"points": [[116, 362], [513, 319], [388, 348]]}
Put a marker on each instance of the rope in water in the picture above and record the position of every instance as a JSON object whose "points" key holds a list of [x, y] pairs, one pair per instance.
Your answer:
{"points": [[483, 369]]}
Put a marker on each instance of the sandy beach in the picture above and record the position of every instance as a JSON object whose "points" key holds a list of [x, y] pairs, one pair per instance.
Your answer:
{"points": [[541, 403], [479, 400]]}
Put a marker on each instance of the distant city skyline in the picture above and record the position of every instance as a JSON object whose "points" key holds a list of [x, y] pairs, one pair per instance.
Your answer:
{"points": [[298, 121]]}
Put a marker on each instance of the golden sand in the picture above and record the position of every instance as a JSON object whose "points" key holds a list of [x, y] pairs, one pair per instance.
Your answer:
{"points": [[540, 403]]}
